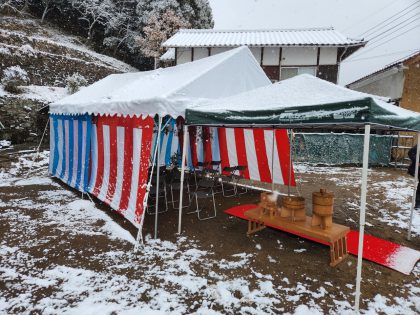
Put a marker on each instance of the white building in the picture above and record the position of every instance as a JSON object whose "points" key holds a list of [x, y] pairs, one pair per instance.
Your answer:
{"points": [[282, 53]]}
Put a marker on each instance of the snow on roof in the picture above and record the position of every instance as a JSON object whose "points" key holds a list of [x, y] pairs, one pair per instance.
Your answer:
{"points": [[168, 91], [168, 55], [395, 63], [301, 90], [269, 37]]}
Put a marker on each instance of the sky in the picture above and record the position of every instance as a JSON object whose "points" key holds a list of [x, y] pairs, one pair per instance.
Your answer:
{"points": [[354, 18]]}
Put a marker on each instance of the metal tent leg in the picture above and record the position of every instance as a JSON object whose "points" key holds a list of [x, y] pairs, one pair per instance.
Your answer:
{"points": [[181, 188], [362, 215], [416, 181], [157, 176]]}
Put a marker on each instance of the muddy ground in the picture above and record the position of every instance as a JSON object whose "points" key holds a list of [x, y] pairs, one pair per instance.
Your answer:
{"points": [[297, 269]]}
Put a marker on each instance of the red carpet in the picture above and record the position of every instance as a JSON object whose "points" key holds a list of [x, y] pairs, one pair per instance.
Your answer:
{"points": [[391, 255]]}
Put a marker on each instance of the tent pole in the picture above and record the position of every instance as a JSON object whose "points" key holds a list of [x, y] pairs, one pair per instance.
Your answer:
{"points": [[416, 181], [139, 238], [272, 161], [157, 176], [362, 215], [181, 188], [290, 162]]}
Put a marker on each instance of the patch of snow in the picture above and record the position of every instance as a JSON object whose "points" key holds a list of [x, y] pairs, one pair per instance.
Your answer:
{"points": [[47, 94]]}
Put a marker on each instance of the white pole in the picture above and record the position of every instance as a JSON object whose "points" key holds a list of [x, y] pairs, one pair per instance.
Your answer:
{"points": [[139, 238], [290, 162], [362, 215], [272, 161], [157, 176], [416, 181], [181, 188]]}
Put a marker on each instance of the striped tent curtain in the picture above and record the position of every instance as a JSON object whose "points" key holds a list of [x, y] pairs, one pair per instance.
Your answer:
{"points": [[70, 149], [250, 147], [120, 161]]}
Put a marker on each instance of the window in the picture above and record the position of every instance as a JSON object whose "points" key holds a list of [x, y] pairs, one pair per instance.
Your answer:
{"points": [[290, 72]]}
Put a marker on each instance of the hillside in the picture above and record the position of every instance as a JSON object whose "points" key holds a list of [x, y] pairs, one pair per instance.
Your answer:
{"points": [[49, 56]]}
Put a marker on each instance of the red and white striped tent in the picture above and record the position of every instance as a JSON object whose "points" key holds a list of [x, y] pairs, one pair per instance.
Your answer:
{"points": [[122, 108]]}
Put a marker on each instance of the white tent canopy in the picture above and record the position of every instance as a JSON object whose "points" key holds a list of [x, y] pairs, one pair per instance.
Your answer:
{"points": [[168, 91]]}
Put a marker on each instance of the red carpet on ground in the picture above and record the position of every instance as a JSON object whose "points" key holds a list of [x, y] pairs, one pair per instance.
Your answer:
{"points": [[391, 255]]}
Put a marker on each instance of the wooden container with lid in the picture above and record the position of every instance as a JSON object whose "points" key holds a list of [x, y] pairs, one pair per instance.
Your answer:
{"points": [[322, 208]]}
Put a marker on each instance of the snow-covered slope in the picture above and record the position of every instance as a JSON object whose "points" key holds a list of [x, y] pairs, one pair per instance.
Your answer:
{"points": [[49, 55]]}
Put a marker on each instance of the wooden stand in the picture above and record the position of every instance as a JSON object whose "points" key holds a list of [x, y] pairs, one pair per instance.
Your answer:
{"points": [[254, 227], [335, 236]]}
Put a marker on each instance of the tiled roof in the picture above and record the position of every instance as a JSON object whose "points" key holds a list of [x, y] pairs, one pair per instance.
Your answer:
{"points": [[385, 68], [273, 37]]}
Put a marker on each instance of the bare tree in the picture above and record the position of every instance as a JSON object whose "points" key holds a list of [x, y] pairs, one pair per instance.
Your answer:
{"points": [[157, 30], [94, 12], [48, 5]]}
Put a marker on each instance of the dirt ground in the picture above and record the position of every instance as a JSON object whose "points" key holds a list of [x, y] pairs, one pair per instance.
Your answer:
{"points": [[297, 270]]}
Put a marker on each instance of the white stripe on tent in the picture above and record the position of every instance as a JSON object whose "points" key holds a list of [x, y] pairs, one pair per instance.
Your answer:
{"points": [[251, 155], [67, 157], [60, 145], [215, 150], [75, 152], [199, 144], [52, 146], [175, 142], [105, 179], [278, 175], [163, 148], [94, 158], [120, 168], [83, 166], [137, 140], [231, 146]]}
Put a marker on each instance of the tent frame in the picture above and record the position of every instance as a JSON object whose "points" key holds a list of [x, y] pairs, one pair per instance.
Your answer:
{"points": [[367, 132]]}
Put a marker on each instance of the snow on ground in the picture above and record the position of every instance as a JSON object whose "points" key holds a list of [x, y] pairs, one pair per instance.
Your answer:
{"points": [[397, 192], [165, 278], [47, 94], [5, 144]]}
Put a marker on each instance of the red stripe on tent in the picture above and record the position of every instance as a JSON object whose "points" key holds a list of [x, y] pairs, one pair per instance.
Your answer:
{"points": [[283, 150], [224, 157], [208, 155], [241, 150], [146, 143], [128, 166], [100, 148], [261, 152], [192, 131], [113, 167]]}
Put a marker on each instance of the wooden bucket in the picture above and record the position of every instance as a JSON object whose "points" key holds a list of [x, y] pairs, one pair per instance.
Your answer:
{"points": [[322, 202], [293, 202], [268, 199]]}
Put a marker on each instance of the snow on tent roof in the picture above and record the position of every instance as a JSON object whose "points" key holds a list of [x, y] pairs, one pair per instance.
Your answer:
{"points": [[168, 91], [302, 101]]}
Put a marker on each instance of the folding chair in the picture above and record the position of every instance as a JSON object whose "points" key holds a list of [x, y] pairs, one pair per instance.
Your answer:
{"points": [[204, 190], [153, 193], [199, 169], [228, 179], [214, 171], [237, 176], [174, 183]]}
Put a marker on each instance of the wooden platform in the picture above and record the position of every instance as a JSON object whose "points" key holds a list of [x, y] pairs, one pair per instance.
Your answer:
{"points": [[335, 236]]}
